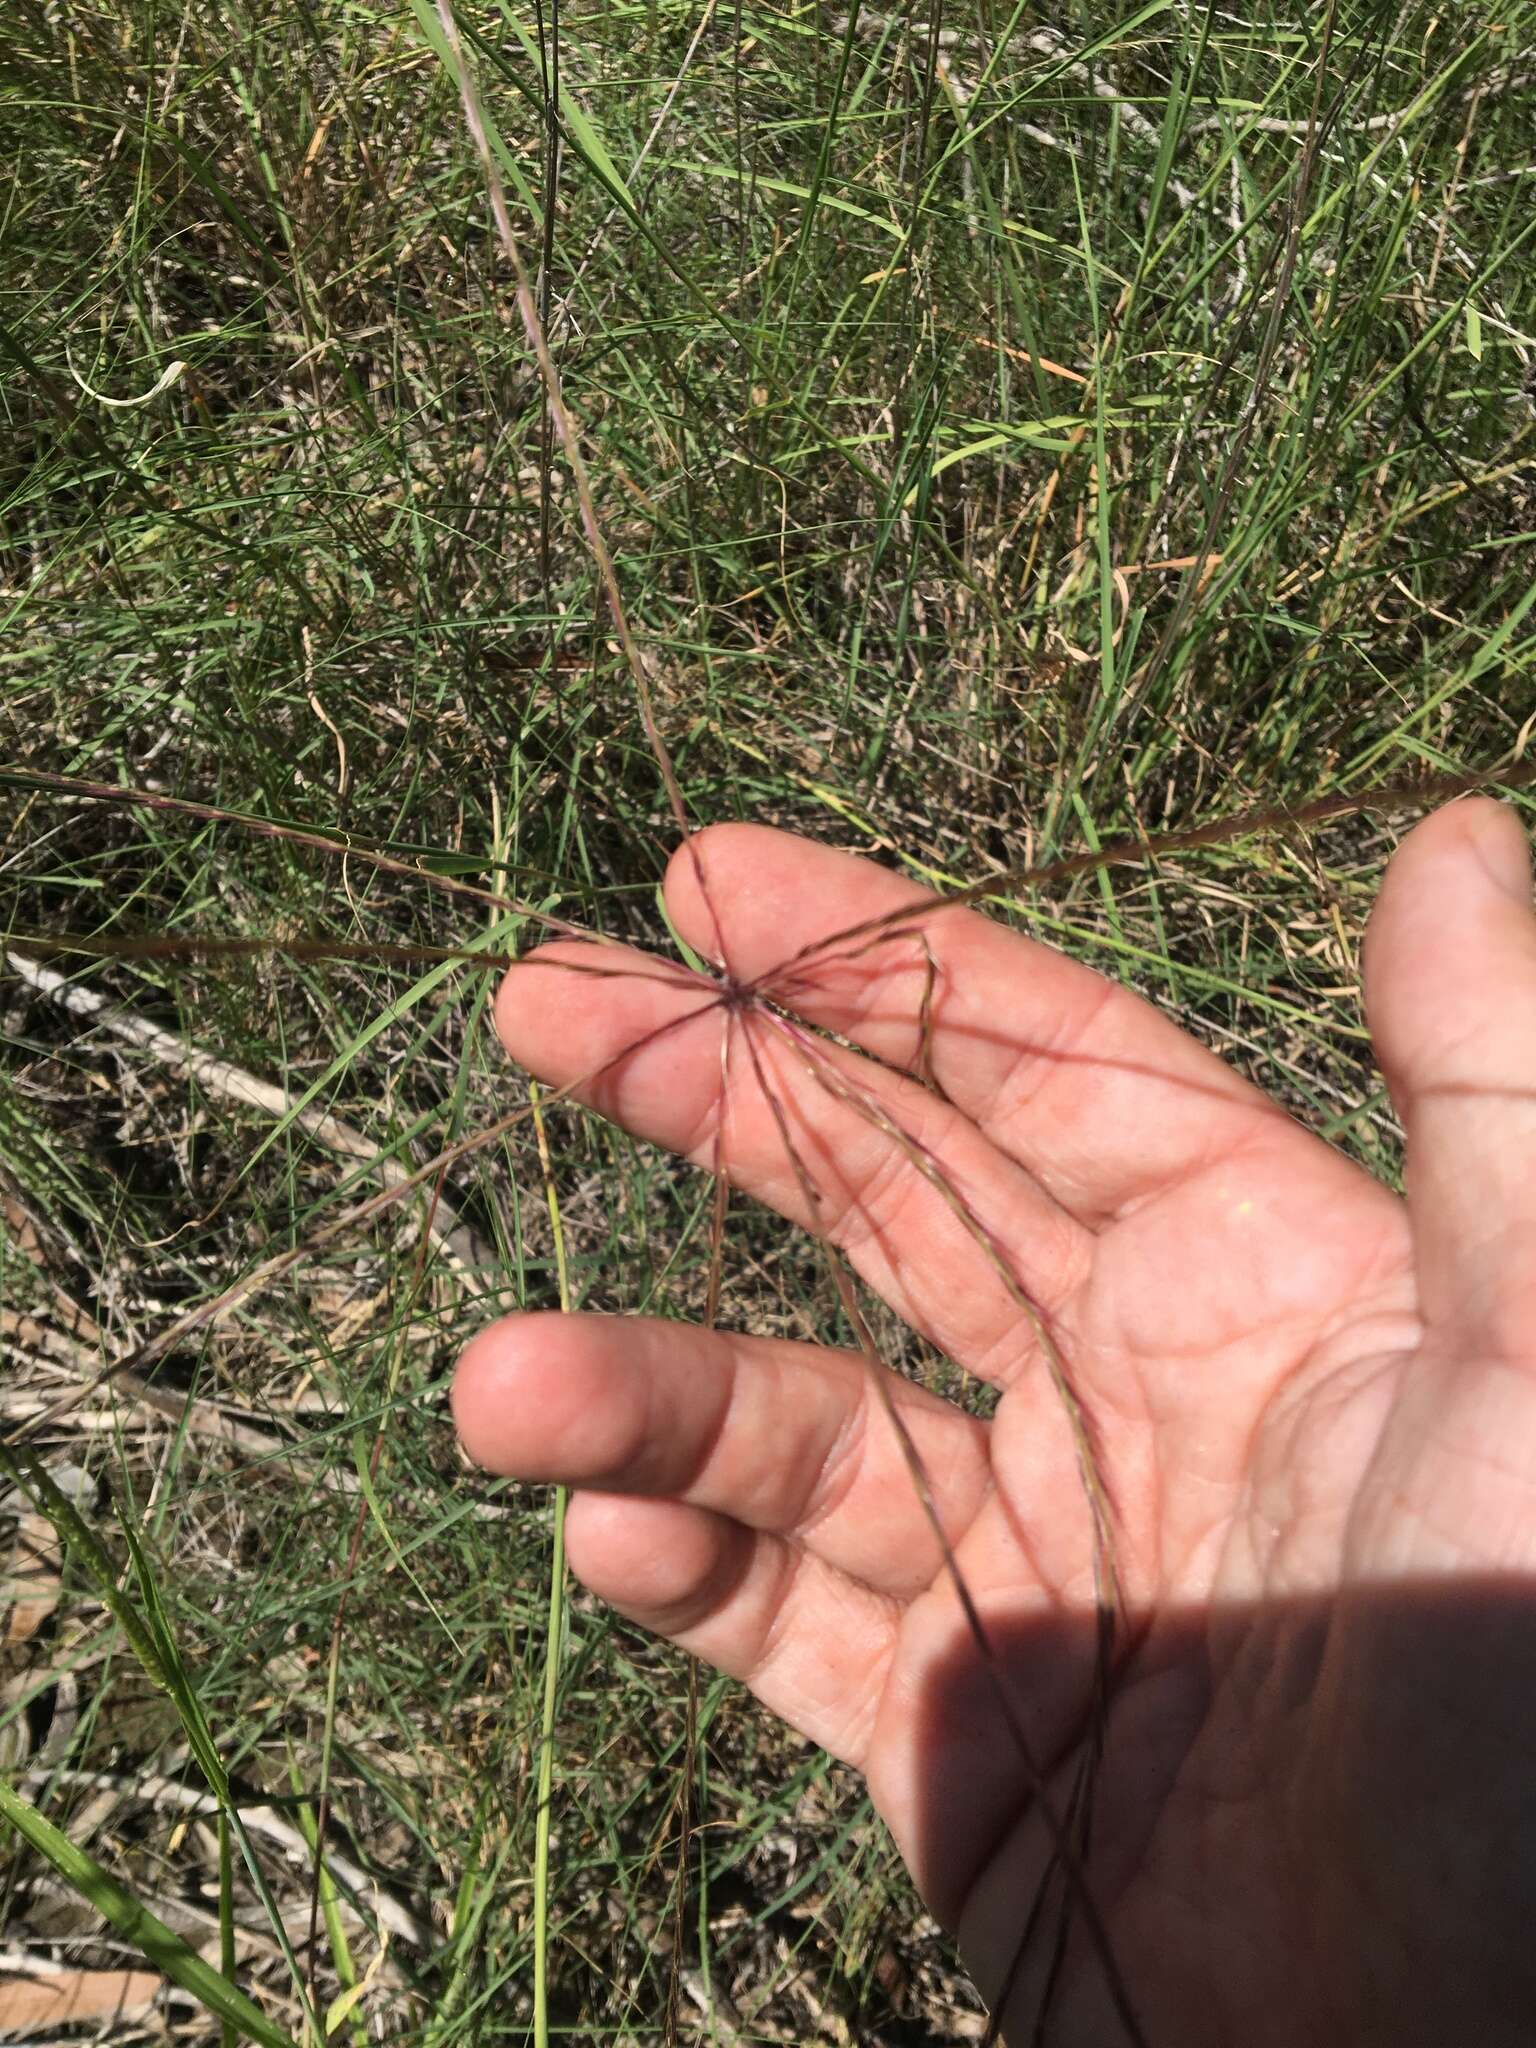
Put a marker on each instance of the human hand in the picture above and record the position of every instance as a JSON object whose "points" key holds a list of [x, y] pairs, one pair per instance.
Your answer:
{"points": [[1314, 1406]]}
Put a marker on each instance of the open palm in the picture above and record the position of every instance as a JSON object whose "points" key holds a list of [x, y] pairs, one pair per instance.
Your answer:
{"points": [[1314, 1407]]}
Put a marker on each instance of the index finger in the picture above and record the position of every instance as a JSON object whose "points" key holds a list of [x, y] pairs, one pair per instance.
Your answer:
{"points": [[1102, 1099]]}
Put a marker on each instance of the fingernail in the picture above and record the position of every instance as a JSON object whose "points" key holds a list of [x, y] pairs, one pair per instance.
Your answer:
{"points": [[1501, 846]]}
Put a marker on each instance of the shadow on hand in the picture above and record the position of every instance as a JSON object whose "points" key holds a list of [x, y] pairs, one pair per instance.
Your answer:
{"points": [[1310, 1823]]}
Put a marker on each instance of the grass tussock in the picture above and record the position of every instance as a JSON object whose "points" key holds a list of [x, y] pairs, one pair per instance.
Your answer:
{"points": [[1012, 431]]}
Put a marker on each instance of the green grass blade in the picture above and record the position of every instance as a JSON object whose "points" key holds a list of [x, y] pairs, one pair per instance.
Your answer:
{"points": [[159, 1944]]}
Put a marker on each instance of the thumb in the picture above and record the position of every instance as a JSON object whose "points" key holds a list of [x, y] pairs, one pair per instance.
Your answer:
{"points": [[1450, 991]]}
